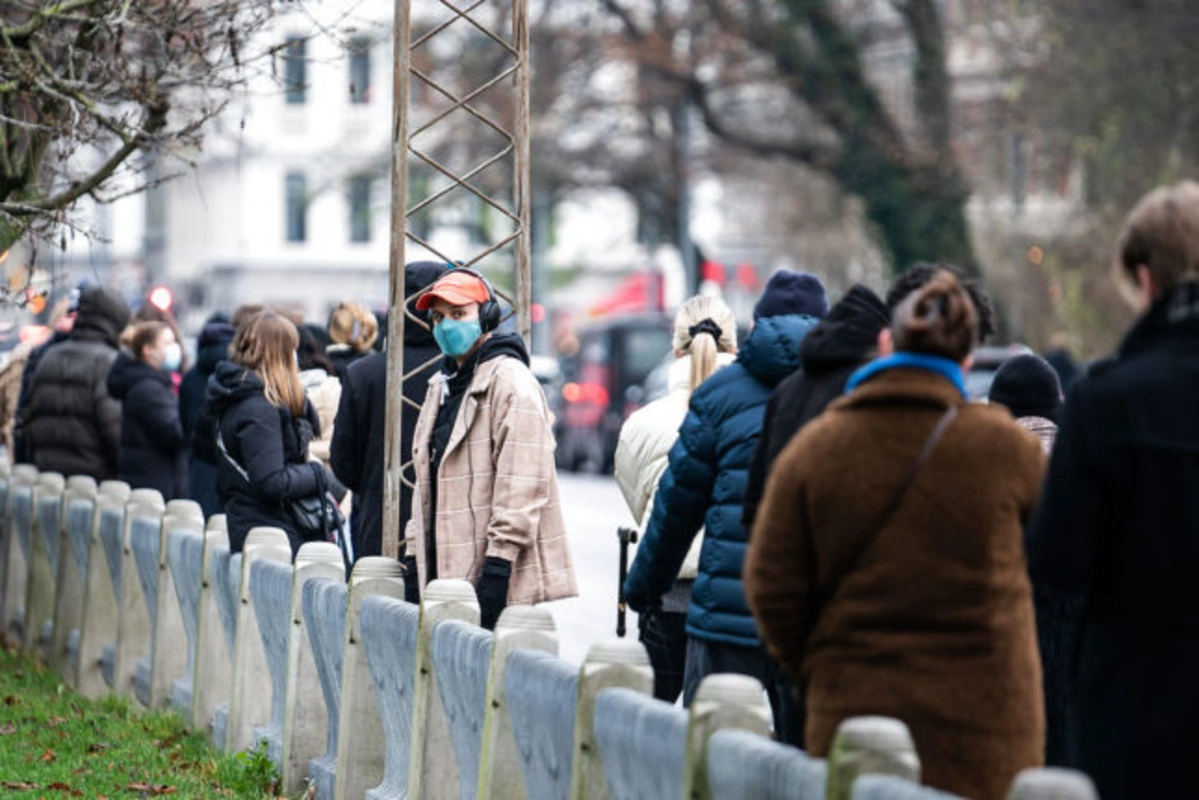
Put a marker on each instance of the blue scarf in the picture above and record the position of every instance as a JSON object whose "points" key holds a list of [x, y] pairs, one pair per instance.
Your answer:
{"points": [[942, 366]]}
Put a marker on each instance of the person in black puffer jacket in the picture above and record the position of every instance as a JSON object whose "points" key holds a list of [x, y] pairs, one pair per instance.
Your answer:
{"points": [[212, 348], [72, 425], [153, 449], [360, 435], [265, 423]]}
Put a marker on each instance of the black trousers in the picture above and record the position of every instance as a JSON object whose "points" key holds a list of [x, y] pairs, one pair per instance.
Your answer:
{"points": [[664, 634]]}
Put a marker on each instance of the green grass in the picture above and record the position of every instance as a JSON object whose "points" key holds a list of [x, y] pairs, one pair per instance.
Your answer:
{"points": [[55, 744]]}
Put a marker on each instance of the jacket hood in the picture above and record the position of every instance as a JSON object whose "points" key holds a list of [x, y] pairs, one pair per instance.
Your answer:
{"points": [[127, 371], [771, 352], [231, 383], [101, 317], [417, 276], [213, 345], [848, 334]]}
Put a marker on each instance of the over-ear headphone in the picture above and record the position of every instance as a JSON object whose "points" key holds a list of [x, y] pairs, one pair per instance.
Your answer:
{"points": [[489, 310]]}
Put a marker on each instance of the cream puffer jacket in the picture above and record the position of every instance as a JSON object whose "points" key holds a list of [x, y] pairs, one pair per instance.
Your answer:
{"points": [[644, 446]]}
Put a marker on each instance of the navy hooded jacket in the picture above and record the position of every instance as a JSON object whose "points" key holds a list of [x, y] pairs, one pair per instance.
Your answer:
{"points": [[704, 485]]}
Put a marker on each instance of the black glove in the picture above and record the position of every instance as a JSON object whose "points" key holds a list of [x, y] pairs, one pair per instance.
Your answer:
{"points": [[304, 432], [335, 487], [641, 603], [411, 581], [492, 590]]}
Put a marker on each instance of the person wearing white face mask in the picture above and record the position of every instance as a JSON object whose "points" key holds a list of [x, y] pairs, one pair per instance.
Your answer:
{"points": [[153, 452]]}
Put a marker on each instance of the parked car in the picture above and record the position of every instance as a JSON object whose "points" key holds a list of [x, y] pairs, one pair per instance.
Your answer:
{"points": [[987, 361], [603, 385]]}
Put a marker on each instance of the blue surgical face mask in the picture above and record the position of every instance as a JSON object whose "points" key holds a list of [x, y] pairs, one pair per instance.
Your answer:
{"points": [[456, 337], [172, 357]]}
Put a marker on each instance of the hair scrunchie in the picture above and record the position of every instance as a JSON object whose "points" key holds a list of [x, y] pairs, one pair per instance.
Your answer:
{"points": [[706, 325]]}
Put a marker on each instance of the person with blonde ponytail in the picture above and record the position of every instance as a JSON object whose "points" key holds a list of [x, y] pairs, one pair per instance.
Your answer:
{"points": [[705, 339], [886, 567], [265, 424]]}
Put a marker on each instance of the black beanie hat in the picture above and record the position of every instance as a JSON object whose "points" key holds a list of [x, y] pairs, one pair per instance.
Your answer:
{"points": [[1029, 387], [790, 292]]}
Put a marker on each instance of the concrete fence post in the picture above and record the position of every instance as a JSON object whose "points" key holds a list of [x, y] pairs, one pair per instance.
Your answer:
{"points": [[78, 511], [360, 745], [143, 522], [1052, 784], [270, 593], [12, 587], [325, 621], [185, 561], [889, 787], [305, 719], [642, 745], [213, 669], [101, 596], [168, 658], [722, 701], [519, 627], [747, 766], [541, 692], [870, 746], [432, 772], [612, 663], [43, 562], [461, 666], [21, 499], [250, 700], [390, 632]]}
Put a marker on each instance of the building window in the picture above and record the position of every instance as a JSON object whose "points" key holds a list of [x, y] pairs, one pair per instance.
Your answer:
{"points": [[360, 208], [360, 71], [295, 70], [297, 207]]}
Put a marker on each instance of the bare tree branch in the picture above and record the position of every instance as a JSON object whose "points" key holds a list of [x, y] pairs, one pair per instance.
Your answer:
{"points": [[929, 72]]}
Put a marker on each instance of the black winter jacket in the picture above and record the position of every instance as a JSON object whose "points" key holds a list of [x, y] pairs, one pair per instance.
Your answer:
{"points": [[359, 433], [153, 451], [1117, 540], [73, 425], [830, 353], [270, 444], [212, 348], [31, 364]]}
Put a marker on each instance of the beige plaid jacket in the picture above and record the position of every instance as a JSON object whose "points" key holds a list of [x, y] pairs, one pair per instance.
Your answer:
{"points": [[497, 491]]}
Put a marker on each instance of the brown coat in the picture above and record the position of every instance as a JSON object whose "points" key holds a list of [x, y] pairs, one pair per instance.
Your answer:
{"points": [[497, 491], [933, 624]]}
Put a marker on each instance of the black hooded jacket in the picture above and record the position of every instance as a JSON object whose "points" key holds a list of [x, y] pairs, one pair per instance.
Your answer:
{"points": [[72, 424], [270, 444], [359, 432], [830, 353], [211, 349], [153, 451]]}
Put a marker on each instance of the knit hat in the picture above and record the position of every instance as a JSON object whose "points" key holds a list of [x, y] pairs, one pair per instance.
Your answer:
{"points": [[1029, 387], [790, 292]]}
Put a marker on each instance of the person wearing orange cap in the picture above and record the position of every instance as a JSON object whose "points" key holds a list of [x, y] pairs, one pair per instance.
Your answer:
{"points": [[486, 506]]}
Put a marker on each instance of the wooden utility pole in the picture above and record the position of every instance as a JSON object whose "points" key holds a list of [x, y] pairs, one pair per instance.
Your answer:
{"points": [[498, 104]]}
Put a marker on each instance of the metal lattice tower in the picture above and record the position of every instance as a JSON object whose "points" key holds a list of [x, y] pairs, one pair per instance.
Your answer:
{"points": [[487, 107]]}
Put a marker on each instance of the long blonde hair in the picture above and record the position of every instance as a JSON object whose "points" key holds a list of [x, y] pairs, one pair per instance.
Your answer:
{"points": [[267, 343], [704, 327]]}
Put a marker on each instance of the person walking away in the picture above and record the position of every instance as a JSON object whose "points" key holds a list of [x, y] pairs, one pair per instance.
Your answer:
{"points": [[886, 567], [1029, 387], [72, 424], [212, 347], [486, 506], [704, 483], [705, 339], [1114, 541], [264, 423], [318, 376], [357, 449], [352, 331], [153, 452]]}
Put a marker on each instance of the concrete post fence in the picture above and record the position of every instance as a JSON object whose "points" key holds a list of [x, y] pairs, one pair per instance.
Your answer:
{"points": [[43, 562], [185, 561], [169, 658], [642, 745], [722, 701], [79, 509], [608, 664], [305, 719], [390, 632], [541, 691], [462, 655], [270, 594], [430, 774], [748, 766], [325, 620], [21, 501], [250, 702], [519, 627], [870, 746], [143, 525], [888, 787], [213, 670], [1052, 784], [101, 598], [360, 746], [11, 563]]}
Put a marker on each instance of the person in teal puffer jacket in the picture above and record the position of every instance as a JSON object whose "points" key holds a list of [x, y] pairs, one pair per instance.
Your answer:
{"points": [[704, 486]]}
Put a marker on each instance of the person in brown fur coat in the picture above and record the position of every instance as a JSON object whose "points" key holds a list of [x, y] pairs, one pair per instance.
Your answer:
{"points": [[887, 584]]}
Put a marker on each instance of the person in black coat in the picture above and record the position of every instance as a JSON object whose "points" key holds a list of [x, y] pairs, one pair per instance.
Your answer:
{"points": [[212, 348], [153, 451], [1113, 551], [359, 433], [264, 423]]}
